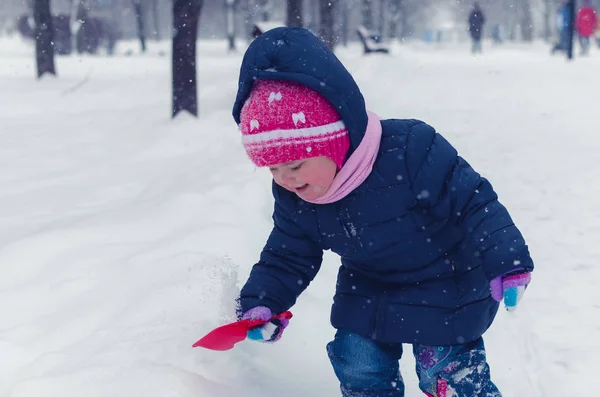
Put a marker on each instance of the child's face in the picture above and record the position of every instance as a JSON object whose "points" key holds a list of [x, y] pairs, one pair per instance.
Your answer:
{"points": [[309, 178]]}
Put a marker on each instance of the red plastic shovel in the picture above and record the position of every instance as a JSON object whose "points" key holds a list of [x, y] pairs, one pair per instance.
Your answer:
{"points": [[226, 336]]}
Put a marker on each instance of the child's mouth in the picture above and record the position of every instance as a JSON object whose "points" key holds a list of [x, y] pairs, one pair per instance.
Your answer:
{"points": [[301, 188]]}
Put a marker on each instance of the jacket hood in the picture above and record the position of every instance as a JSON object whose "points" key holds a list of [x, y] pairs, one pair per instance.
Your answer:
{"points": [[295, 54]]}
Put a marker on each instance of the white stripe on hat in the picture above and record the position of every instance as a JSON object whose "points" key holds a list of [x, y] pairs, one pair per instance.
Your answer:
{"points": [[281, 142], [307, 133]]}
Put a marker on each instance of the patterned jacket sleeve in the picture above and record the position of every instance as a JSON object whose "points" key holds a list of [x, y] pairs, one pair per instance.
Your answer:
{"points": [[448, 187], [288, 263]]}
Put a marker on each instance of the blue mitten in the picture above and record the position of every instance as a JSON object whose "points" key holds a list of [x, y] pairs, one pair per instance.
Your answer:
{"points": [[268, 332], [510, 287]]}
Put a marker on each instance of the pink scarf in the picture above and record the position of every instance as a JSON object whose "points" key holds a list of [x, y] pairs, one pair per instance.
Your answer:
{"points": [[359, 165]]}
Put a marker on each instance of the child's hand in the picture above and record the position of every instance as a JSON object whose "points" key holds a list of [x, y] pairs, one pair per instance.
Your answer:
{"points": [[511, 287], [269, 332]]}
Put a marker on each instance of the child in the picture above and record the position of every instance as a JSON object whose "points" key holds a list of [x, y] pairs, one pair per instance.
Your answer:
{"points": [[586, 23], [427, 251]]}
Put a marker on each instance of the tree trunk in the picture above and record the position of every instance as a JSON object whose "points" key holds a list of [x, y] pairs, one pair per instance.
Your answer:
{"points": [[294, 13], [526, 22], [572, 10], [367, 14], [186, 14], [156, 18], [404, 31], [395, 14], [326, 32], [230, 16], [74, 23], [81, 42], [44, 51], [248, 7], [381, 19], [139, 18], [314, 9], [510, 17], [345, 7], [264, 7], [547, 21]]}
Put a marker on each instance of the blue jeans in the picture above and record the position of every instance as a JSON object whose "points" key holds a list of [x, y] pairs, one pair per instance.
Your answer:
{"points": [[366, 368]]}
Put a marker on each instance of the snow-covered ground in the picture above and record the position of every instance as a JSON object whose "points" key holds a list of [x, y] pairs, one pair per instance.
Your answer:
{"points": [[124, 235]]}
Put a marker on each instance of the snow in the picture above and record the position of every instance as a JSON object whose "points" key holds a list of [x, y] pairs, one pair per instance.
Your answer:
{"points": [[126, 235]]}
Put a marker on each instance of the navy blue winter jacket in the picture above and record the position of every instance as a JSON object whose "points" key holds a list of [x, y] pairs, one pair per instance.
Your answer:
{"points": [[476, 21], [419, 239]]}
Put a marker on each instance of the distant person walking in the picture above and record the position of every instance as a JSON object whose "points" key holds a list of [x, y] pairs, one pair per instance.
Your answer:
{"points": [[563, 25], [586, 24], [476, 22]]}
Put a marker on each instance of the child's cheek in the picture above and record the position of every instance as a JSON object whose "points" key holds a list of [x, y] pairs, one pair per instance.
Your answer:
{"points": [[323, 180], [283, 185]]}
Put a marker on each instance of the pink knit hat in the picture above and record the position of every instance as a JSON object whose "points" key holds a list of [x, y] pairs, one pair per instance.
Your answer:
{"points": [[283, 121]]}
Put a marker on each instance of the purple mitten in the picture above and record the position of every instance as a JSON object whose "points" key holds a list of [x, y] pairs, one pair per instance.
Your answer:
{"points": [[510, 286], [269, 332]]}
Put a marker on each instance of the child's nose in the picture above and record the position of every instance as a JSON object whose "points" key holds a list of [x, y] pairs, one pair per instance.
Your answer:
{"points": [[288, 178]]}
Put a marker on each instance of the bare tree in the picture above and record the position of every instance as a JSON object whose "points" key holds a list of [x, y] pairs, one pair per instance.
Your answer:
{"points": [[314, 7], [382, 16], [510, 18], [230, 23], [547, 20], [344, 9], [408, 10], [367, 14], [75, 22], [156, 20], [526, 21], [395, 11], [186, 14], [572, 9], [294, 13], [264, 7], [249, 10], [44, 51], [326, 28], [139, 18]]}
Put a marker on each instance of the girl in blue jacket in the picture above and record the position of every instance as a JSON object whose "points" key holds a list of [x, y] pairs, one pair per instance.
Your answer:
{"points": [[427, 251]]}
